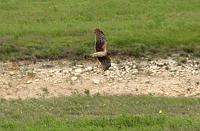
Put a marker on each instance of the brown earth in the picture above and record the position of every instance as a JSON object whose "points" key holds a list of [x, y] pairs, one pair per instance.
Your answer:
{"points": [[159, 77]]}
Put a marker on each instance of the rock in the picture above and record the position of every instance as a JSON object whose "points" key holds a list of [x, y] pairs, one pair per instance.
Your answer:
{"points": [[134, 66], [65, 71], [36, 80], [147, 82], [74, 78], [70, 70], [96, 81], [79, 70], [11, 73], [112, 76], [29, 82], [47, 66], [59, 82], [135, 71], [173, 69], [89, 68], [107, 73], [80, 66], [154, 67], [120, 79], [76, 74], [38, 70], [52, 71], [113, 68], [123, 73], [127, 68]]}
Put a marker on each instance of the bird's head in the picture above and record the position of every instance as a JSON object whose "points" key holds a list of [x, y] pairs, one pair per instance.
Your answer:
{"points": [[97, 31]]}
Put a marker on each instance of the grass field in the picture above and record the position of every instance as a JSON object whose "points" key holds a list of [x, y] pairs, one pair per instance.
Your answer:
{"points": [[64, 28], [101, 113]]}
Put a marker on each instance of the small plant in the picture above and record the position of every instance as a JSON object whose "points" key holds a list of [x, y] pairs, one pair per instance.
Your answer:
{"points": [[9, 84], [73, 63], [75, 92], [97, 94], [87, 92], [148, 73], [151, 94], [45, 90], [138, 50], [30, 73], [181, 60]]}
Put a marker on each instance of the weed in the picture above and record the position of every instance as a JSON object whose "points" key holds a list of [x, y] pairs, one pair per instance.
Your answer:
{"points": [[87, 92], [45, 90], [181, 60]]}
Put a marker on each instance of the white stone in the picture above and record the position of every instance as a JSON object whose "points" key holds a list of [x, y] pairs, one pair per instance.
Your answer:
{"points": [[96, 81], [135, 71], [29, 82], [79, 70], [80, 66], [89, 68], [134, 66], [36, 80], [154, 67], [52, 71], [59, 81], [70, 69], [74, 78], [12, 73], [160, 64], [76, 74]]}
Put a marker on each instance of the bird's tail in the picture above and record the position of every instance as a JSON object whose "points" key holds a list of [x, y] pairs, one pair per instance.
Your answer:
{"points": [[105, 62]]}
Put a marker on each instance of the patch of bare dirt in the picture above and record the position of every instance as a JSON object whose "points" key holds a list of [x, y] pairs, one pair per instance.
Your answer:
{"points": [[159, 77], [6, 38]]}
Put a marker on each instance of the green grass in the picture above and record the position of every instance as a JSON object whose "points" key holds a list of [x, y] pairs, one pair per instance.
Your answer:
{"points": [[101, 113], [64, 28]]}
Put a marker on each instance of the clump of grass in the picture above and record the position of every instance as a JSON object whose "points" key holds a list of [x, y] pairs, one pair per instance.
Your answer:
{"points": [[45, 90], [31, 74], [181, 60], [139, 50], [87, 92]]}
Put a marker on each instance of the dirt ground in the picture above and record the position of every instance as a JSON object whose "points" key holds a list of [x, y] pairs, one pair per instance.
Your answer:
{"points": [[159, 77]]}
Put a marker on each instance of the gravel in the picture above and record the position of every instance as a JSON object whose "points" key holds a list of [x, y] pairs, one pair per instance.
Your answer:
{"points": [[161, 77]]}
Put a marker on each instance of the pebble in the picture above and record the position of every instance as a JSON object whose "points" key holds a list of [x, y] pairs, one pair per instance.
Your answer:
{"points": [[36, 80], [79, 70], [80, 66], [12, 73], [89, 68], [74, 78], [52, 71], [118, 72], [29, 82], [96, 81]]}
